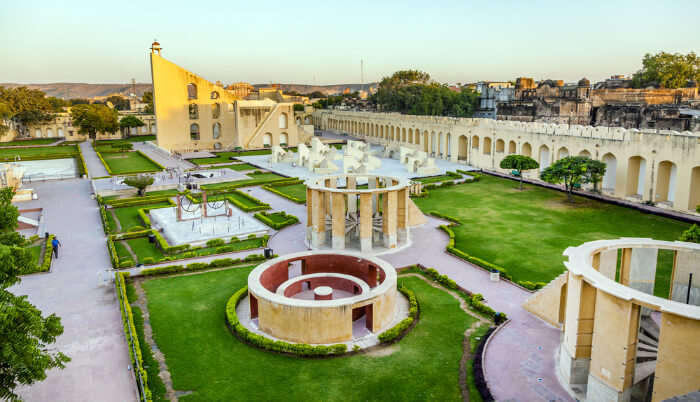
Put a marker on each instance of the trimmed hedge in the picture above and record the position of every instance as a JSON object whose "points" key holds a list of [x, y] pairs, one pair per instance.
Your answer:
{"points": [[198, 266], [227, 195], [271, 188], [399, 330], [133, 201], [264, 217], [244, 183], [48, 255], [130, 328], [105, 222], [251, 338], [82, 166]]}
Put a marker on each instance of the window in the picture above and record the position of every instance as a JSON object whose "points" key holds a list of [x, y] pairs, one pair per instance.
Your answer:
{"points": [[214, 95], [194, 132], [215, 110], [283, 120], [194, 111], [216, 130], [191, 91]]}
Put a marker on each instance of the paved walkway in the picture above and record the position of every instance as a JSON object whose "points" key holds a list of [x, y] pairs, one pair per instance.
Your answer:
{"points": [[93, 162], [93, 334], [162, 157]]}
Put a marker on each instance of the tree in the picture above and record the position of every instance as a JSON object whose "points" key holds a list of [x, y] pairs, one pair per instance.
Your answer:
{"points": [[691, 235], [24, 332], [669, 70], [119, 103], [140, 182], [79, 101], [572, 171], [596, 171], [519, 163], [91, 119], [127, 122], [24, 107], [298, 107], [8, 219], [148, 99]]}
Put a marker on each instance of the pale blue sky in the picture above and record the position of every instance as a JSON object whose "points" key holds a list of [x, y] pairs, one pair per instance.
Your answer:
{"points": [[322, 42]]}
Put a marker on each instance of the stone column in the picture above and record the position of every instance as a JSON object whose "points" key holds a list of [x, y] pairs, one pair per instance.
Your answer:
{"points": [[309, 215], [318, 234], [352, 198], [179, 207], [575, 351], [625, 266], [372, 184], [389, 215], [613, 356], [643, 269], [366, 222], [204, 204], [402, 215], [338, 220], [676, 371], [684, 264], [606, 263]]}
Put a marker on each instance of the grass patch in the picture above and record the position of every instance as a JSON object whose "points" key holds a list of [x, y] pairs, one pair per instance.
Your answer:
{"points": [[128, 216], [113, 145], [172, 192], [129, 162], [33, 141], [297, 191], [435, 179], [67, 151], [527, 231], [256, 178], [186, 314], [474, 340], [36, 253], [122, 252], [145, 249]]}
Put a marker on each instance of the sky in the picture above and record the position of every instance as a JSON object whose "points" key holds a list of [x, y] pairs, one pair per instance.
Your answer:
{"points": [[322, 42]]}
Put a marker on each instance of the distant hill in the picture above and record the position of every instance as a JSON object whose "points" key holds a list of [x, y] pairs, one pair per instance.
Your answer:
{"points": [[70, 90]]}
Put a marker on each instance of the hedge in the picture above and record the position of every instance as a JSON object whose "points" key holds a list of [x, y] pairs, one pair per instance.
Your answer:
{"points": [[198, 266], [264, 218], [262, 342], [245, 183], [227, 195], [133, 201], [48, 254], [130, 333], [82, 165], [105, 222], [271, 188], [399, 330]]}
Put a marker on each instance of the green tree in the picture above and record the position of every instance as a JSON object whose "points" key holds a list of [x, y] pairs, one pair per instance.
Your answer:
{"points": [[298, 107], [148, 99], [79, 101], [140, 182], [118, 102], [572, 171], [596, 171], [691, 235], [8, 219], [91, 119], [24, 107], [25, 334], [519, 163], [127, 122], [669, 70]]}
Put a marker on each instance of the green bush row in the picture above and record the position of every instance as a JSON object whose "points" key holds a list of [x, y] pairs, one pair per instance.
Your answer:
{"points": [[48, 254], [532, 285], [245, 183], [259, 207], [105, 222], [130, 328], [398, 330], [264, 218], [113, 257], [198, 266], [444, 280], [271, 188], [82, 166], [444, 216], [133, 201], [262, 342]]}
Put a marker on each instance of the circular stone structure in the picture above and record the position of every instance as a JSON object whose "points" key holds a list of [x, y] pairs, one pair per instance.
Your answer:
{"points": [[621, 342], [342, 216], [362, 293]]}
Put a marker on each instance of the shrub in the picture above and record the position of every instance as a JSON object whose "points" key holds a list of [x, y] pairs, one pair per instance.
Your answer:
{"points": [[393, 333], [532, 285], [126, 264], [215, 242], [148, 260], [136, 229], [225, 249], [252, 236], [48, 254]]}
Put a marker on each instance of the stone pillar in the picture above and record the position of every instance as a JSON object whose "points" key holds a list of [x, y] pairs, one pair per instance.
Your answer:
{"points": [[614, 351], [389, 215], [402, 215], [352, 198], [625, 266], [338, 220], [684, 264], [643, 269], [204, 204], [318, 234], [606, 263], [677, 371], [366, 222], [575, 351], [309, 215], [372, 184], [179, 207]]}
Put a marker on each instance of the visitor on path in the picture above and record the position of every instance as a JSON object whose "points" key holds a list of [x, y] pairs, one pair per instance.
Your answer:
{"points": [[55, 244]]}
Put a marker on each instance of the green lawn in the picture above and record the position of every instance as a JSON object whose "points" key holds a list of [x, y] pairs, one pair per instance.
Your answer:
{"points": [[68, 151], [278, 217], [435, 179], [186, 314], [144, 249], [36, 253], [122, 252], [294, 190], [33, 141], [128, 216], [260, 178], [527, 231], [113, 145], [129, 162]]}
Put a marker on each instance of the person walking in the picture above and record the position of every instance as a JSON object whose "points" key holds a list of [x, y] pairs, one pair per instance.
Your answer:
{"points": [[55, 244]]}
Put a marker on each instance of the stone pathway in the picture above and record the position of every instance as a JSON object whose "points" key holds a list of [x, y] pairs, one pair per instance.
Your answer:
{"points": [[80, 292], [93, 162], [162, 157]]}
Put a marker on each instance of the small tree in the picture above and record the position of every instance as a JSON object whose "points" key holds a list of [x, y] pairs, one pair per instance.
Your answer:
{"points": [[91, 119], [140, 182], [595, 171], [572, 171], [127, 122], [519, 163], [691, 235]]}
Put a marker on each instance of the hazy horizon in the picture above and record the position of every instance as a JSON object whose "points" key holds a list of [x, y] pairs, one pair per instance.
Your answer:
{"points": [[320, 43]]}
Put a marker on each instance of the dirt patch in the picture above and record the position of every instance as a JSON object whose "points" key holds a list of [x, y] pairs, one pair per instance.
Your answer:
{"points": [[562, 204], [385, 351]]}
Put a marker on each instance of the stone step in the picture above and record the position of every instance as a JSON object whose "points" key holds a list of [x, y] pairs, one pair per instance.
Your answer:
{"points": [[645, 354], [650, 327], [644, 370]]}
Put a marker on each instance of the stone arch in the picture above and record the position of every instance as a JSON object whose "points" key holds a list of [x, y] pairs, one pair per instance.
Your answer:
{"points": [[512, 147], [37, 133], [267, 140], [610, 172], [193, 111], [666, 182], [694, 198], [403, 134], [487, 146], [282, 120], [284, 139], [441, 144], [425, 141], [49, 133], [307, 119], [410, 136], [475, 142], [214, 95], [544, 157], [215, 111], [191, 91], [298, 121], [500, 146], [585, 153], [462, 148], [433, 142], [194, 132], [526, 149], [562, 153], [216, 130], [60, 132], [636, 175]]}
